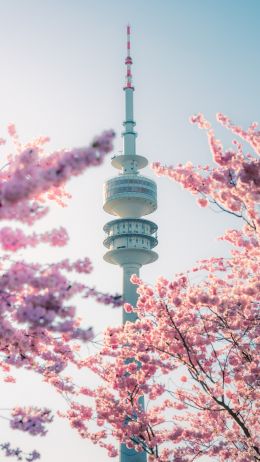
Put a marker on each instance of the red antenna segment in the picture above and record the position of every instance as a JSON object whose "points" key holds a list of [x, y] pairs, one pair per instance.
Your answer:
{"points": [[128, 60]]}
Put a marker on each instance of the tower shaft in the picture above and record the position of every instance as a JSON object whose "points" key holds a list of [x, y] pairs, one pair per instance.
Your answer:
{"points": [[129, 290], [129, 134], [130, 296]]}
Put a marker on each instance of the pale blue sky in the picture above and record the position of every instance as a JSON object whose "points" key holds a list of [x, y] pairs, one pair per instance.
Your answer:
{"points": [[62, 75]]}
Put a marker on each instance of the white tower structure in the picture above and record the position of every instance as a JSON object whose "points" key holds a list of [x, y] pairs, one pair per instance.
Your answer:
{"points": [[129, 196]]}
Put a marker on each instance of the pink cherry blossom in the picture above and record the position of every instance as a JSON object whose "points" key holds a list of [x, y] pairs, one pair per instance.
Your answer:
{"points": [[192, 351], [39, 326], [18, 453], [31, 420], [202, 202]]}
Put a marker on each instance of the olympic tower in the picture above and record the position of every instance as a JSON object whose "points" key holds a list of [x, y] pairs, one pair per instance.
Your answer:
{"points": [[129, 196]]}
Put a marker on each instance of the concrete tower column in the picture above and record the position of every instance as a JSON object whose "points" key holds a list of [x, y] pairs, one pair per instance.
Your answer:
{"points": [[129, 289], [130, 296], [130, 455]]}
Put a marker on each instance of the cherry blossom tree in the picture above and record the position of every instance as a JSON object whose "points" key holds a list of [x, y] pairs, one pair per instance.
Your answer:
{"points": [[194, 345], [38, 318]]}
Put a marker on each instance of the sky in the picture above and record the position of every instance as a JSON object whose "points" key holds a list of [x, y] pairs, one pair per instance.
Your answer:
{"points": [[62, 74]]}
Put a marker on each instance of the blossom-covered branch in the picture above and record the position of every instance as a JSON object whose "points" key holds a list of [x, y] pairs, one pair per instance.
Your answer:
{"points": [[194, 345], [234, 185], [32, 176], [38, 321]]}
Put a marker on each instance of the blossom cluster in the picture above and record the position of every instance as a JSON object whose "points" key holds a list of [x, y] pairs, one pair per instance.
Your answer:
{"points": [[18, 453], [31, 420], [234, 185], [15, 239], [30, 175]]}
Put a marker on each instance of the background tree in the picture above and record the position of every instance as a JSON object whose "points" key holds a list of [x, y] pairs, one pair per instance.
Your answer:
{"points": [[194, 344]]}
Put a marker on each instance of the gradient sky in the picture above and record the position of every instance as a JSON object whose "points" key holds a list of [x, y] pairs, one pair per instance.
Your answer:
{"points": [[62, 75]]}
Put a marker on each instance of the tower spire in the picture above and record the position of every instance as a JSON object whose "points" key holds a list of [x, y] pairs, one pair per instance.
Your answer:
{"points": [[128, 60]]}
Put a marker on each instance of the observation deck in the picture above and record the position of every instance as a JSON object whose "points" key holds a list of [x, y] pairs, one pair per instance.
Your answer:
{"points": [[130, 195], [134, 161], [130, 240]]}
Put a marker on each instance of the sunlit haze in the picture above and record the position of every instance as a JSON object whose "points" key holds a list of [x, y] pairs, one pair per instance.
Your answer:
{"points": [[62, 75]]}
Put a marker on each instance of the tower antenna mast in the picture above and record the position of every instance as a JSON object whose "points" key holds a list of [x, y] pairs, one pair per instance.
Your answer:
{"points": [[128, 60]]}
